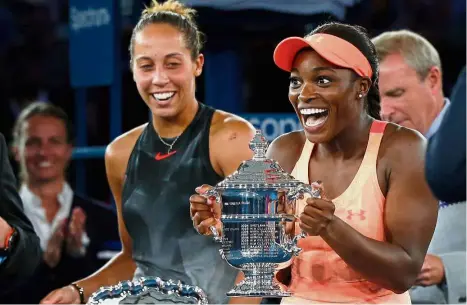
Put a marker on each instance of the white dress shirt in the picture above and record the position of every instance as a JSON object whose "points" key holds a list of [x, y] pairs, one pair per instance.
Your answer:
{"points": [[36, 214], [439, 118]]}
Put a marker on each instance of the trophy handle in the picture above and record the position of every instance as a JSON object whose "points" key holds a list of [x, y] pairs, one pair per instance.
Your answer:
{"points": [[304, 189], [213, 193], [294, 194]]}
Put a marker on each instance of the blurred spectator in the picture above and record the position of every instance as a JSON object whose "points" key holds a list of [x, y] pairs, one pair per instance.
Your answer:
{"points": [[19, 245], [410, 81], [76, 233], [412, 96], [445, 166]]}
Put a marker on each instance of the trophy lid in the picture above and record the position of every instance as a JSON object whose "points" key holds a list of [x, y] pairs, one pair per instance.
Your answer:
{"points": [[259, 172]]}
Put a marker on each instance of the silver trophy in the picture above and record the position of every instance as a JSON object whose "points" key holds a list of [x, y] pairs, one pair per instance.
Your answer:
{"points": [[258, 203], [148, 290]]}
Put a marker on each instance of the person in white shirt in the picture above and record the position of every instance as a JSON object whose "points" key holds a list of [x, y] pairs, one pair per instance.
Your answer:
{"points": [[67, 224], [48, 213], [42, 146]]}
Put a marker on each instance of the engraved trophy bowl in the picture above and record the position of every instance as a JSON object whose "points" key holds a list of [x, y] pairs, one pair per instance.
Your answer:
{"points": [[148, 290], [257, 201]]}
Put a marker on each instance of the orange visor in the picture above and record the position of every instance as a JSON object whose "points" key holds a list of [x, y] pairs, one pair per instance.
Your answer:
{"points": [[332, 48]]}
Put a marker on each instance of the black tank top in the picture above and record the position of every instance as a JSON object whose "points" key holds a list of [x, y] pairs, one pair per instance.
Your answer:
{"points": [[156, 209]]}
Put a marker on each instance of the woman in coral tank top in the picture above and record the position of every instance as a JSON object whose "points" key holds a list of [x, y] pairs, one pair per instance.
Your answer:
{"points": [[367, 238]]}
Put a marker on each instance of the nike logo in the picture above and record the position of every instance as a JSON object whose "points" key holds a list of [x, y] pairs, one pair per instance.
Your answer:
{"points": [[160, 156]]}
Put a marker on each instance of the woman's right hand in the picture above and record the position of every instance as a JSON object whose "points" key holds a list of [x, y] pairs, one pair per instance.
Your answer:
{"points": [[205, 211], [64, 295]]}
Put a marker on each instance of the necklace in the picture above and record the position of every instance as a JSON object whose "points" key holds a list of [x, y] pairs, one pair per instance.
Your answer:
{"points": [[167, 144]]}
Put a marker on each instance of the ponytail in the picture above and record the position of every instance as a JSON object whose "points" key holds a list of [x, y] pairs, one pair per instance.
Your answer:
{"points": [[373, 105]]}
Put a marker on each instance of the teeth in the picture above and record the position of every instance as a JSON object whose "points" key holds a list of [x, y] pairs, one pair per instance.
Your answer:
{"points": [[45, 164], [309, 111], [163, 96]]}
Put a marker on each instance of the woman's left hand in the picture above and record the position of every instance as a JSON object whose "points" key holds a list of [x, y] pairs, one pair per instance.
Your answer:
{"points": [[316, 215]]}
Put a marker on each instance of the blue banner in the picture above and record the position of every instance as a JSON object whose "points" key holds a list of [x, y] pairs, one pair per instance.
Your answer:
{"points": [[92, 40], [273, 124]]}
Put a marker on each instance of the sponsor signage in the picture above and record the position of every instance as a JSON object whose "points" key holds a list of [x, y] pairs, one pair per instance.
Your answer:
{"points": [[273, 124], [92, 35]]}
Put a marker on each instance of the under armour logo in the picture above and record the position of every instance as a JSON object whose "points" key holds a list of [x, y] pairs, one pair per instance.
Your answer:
{"points": [[350, 214]]}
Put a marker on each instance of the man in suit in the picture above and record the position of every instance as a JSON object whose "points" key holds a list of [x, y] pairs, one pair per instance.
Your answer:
{"points": [[412, 95], [445, 166], [76, 233], [19, 245]]}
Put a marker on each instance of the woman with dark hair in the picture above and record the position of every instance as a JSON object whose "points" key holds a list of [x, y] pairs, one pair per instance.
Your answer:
{"points": [[368, 235], [154, 168]]}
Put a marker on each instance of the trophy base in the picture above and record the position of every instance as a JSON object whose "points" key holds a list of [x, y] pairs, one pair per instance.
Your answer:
{"points": [[259, 286]]}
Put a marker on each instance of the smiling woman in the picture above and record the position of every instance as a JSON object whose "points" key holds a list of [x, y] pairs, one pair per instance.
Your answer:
{"points": [[356, 251], [42, 125], [72, 229], [360, 247], [342, 68], [153, 169]]}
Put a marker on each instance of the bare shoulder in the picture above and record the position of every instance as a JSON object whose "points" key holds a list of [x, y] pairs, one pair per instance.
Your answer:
{"points": [[225, 124], [400, 140], [402, 148], [229, 140], [123, 144], [118, 151], [287, 148]]}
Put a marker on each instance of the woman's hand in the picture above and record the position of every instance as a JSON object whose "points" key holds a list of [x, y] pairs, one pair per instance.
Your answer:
{"points": [[64, 295], [205, 211], [317, 214]]}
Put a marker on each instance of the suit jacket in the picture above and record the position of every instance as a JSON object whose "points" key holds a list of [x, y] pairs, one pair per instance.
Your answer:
{"points": [[445, 173], [102, 230], [26, 254], [445, 157]]}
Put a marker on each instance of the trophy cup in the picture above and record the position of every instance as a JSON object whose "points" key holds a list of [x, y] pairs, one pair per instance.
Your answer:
{"points": [[257, 201], [148, 290]]}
